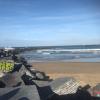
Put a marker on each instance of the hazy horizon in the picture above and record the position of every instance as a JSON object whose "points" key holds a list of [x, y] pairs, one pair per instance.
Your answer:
{"points": [[29, 43]]}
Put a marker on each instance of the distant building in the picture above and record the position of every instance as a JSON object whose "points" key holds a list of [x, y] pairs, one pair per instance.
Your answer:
{"points": [[9, 49]]}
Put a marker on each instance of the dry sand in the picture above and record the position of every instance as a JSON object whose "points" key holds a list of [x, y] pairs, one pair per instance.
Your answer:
{"points": [[85, 73]]}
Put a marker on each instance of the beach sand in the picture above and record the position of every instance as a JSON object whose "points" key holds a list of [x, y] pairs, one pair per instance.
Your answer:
{"points": [[85, 73]]}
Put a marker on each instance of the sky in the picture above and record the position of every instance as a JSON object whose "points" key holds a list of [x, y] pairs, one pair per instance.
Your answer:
{"points": [[49, 22]]}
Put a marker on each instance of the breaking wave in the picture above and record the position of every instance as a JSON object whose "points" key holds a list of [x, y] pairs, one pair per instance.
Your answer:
{"points": [[63, 55]]}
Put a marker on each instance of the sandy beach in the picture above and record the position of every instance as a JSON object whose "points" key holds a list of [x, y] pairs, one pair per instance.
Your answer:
{"points": [[85, 73]]}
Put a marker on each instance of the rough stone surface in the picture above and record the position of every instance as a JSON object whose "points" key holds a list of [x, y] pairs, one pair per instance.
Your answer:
{"points": [[65, 85], [19, 93]]}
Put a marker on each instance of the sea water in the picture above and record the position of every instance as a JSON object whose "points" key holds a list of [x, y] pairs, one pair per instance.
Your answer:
{"points": [[82, 53]]}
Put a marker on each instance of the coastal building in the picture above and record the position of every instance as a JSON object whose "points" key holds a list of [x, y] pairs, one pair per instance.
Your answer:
{"points": [[9, 49]]}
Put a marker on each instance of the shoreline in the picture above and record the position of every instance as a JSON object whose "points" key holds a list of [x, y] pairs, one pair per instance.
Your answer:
{"points": [[85, 60]]}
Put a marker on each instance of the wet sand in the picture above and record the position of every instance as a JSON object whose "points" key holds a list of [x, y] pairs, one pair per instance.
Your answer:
{"points": [[85, 73]]}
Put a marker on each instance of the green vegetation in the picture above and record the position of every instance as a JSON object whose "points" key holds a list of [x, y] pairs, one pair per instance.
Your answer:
{"points": [[6, 65]]}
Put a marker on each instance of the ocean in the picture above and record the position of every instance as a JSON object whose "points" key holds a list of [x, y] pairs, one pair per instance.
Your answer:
{"points": [[76, 53]]}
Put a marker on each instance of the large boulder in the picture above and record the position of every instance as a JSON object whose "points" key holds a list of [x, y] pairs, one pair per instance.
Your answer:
{"points": [[19, 93]]}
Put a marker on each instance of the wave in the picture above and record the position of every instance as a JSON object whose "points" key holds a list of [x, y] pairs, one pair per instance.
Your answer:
{"points": [[52, 51], [62, 54]]}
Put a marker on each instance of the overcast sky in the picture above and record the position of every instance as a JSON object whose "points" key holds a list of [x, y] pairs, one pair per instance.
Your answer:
{"points": [[49, 22]]}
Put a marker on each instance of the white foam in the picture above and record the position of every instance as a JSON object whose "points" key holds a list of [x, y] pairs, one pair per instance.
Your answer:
{"points": [[72, 50]]}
